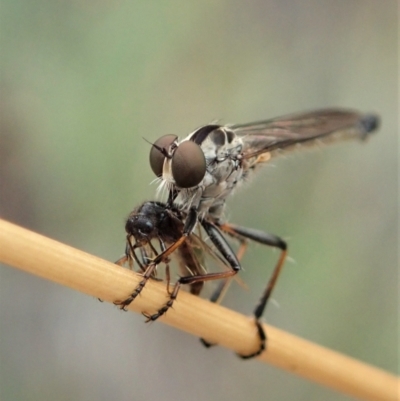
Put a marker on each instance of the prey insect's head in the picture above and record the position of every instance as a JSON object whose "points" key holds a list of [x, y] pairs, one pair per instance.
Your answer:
{"points": [[183, 163], [140, 227]]}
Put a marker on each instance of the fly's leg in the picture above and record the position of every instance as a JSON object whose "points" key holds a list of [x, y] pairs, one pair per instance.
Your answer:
{"points": [[216, 297], [223, 247], [219, 293], [146, 275], [265, 239]]}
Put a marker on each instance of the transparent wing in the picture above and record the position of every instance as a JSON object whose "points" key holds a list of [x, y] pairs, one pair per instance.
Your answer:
{"points": [[285, 132]]}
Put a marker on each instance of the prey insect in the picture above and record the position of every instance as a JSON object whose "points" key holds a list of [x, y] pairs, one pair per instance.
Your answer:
{"points": [[174, 232]]}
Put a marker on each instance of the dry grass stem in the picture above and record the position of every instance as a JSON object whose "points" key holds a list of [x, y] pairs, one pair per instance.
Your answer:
{"points": [[98, 278]]}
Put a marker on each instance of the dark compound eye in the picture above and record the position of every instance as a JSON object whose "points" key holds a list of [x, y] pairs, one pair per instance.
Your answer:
{"points": [[156, 156], [188, 165]]}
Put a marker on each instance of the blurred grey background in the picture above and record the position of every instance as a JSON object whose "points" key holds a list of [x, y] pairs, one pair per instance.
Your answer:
{"points": [[83, 82]]}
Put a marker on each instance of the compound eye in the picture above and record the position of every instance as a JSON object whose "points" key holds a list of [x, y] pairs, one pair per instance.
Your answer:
{"points": [[156, 156], [188, 165]]}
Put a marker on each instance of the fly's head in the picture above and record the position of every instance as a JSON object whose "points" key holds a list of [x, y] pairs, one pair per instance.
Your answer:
{"points": [[181, 165], [204, 157]]}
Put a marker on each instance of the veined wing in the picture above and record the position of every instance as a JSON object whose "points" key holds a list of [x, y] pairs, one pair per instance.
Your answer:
{"points": [[308, 128]]}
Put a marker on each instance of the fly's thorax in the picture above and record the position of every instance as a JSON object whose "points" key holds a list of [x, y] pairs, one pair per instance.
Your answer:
{"points": [[222, 150], [222, 144]]}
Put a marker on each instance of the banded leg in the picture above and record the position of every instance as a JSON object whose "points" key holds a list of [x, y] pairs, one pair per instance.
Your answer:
{"points": [[146, 275]]}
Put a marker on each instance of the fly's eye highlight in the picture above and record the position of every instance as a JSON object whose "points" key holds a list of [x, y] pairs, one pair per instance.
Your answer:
{"points": [[158, 152], [188, 165]]}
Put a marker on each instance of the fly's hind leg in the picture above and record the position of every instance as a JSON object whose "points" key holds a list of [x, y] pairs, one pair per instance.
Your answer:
{"points": [[241, 234], [265, 239], [219, 293], [216, 297]]}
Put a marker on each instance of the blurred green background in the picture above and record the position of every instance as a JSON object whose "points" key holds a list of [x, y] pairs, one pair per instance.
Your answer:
{"points": [[82, 83]]}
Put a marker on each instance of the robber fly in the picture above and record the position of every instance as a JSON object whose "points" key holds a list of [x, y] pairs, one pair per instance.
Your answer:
{"points": [[174, 231], [201, 171]]}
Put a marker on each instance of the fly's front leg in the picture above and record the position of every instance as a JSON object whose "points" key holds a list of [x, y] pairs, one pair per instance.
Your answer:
{"points": [[265, 239], [220, 243]]}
